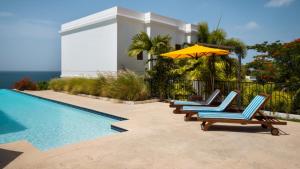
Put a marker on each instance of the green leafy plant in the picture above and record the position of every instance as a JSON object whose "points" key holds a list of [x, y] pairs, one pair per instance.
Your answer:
{"points": [[296, 102], [43, 85], [281, 101], [57, 84], [128, 86]]}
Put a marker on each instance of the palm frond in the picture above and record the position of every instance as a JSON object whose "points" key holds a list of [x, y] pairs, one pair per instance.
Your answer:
{"points": [[203, 32], [140, 42], [239, 47], [160, 44]]}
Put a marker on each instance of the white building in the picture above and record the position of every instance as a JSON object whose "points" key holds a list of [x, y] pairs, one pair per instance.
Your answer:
{"points": [[99, 42]]}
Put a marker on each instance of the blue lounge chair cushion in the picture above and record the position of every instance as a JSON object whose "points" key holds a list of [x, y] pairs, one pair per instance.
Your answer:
{"points": [[201, 108], [194, 103], [247, 114], [253, 106], [178, 102], [217, 115], [219, 108]]}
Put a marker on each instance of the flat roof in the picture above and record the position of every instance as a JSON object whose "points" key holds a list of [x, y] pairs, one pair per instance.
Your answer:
{"points": [[114, 12]]}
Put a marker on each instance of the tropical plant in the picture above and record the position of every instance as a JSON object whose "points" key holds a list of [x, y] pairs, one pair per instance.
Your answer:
{"points": [[263, 69], [43, 85], [153, 46], [217, 38], [127, 86], [281, 101], [296, 102], [285, 57], [160, 72], [240, 49]]}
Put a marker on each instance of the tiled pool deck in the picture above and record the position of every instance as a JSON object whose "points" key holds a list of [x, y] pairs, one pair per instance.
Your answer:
{"points": [[157, 138]]}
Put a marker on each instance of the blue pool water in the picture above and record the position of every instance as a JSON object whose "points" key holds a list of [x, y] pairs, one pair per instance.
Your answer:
{"points": [[47, 124]]}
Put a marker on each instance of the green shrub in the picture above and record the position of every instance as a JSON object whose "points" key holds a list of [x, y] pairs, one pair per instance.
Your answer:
{"points": [[75, 85], [57, 84], [128, 86], [281, 101], [296, 102], [251, 90], [42, 85], [104, 84], [182, 90]]}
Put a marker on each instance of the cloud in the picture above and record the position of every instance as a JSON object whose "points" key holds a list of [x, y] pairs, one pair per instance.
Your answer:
{"points": [[252, 25], [278, 3], [6, 14]]}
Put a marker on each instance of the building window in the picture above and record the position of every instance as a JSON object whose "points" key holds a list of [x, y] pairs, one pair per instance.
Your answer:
{"points": [[140, 56], [177, 46]]}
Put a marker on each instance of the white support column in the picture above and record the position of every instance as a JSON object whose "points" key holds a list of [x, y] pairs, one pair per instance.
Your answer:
{"points": [[148, 31]]}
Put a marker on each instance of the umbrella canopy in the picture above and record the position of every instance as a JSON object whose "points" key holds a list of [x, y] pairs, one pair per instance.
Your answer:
{"points": [[195, 52]]}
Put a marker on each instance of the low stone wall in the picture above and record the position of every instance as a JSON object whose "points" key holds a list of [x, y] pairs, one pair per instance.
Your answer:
{"points": [[283, 115], [120, 101]]}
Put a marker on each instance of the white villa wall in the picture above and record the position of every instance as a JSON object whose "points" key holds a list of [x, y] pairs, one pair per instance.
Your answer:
{"points": [[178, 37], [99, 42], [89, 51], [127, 28]]}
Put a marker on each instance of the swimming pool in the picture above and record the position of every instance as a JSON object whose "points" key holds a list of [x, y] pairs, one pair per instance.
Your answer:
{"points": [[47, 124]]}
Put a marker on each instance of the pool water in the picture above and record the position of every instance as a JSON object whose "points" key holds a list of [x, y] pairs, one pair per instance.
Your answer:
{"points": [[47, 124]]}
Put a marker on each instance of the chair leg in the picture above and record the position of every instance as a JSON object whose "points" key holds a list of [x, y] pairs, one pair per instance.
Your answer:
{"points": [[206, 126], [177, 110], [189, 116], [202, 125]]}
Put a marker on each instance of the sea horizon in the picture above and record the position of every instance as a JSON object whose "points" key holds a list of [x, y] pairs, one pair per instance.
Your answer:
{"points": [[8, 78]]}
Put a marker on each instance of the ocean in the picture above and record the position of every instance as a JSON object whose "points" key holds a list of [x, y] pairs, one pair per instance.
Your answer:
{"points": [[8, 78]]}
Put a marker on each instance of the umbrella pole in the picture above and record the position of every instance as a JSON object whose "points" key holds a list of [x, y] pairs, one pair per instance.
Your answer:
{"points": [[239, 80], [213, 72]]}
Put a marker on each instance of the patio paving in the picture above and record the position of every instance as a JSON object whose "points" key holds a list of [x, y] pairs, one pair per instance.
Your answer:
{"points": [[157, 138]]}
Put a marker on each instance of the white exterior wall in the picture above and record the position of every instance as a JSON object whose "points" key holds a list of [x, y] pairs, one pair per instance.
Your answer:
{"points": [[89, 51], [127, 28], [178, 37], [99, 42]]}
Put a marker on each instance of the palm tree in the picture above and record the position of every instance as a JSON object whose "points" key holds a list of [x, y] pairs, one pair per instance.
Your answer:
{"points": [[153, 46], [240, 49], [218, 38]]}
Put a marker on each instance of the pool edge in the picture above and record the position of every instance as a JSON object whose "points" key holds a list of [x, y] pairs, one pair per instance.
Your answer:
{"points": [[114, 127]]}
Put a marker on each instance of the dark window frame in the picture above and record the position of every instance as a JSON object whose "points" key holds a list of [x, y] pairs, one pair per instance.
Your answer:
{"points": [[177, 46], [140, 56]]}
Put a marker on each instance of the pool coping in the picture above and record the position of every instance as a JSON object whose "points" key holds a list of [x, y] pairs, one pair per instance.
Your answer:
{"points": [[113, 127]]}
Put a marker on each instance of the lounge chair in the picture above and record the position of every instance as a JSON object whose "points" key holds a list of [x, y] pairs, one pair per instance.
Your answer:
{"points": [[178, 104], [251, 115], [189, 111]]}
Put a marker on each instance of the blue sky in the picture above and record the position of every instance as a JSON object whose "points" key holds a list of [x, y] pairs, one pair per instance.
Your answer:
{"points": [[29, 38]]}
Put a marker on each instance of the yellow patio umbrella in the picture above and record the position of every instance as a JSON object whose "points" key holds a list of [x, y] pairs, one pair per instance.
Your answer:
{"points": [[195, 52]]}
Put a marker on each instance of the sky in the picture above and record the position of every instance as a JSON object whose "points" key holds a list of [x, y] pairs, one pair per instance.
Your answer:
{"points": [[29, 38]]}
